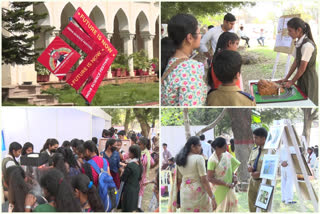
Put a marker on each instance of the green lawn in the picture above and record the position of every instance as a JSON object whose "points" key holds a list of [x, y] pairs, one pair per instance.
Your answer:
{"points": [[263, 69], [277, 207], [111, 95], [12, 103]]}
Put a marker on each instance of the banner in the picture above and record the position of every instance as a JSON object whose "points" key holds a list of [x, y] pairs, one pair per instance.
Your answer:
{"points": [[92, 85], [58, 57], [80, 38], [81, 74], [90, 28], [89, 46]]}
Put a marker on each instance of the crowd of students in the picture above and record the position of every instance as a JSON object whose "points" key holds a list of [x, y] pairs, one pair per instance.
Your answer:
{"points": [[71, 180]]}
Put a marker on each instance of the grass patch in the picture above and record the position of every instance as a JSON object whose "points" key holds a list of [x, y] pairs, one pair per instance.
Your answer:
{"points": [[13, 103], [278, 206], [111, 95], [263, 69]]}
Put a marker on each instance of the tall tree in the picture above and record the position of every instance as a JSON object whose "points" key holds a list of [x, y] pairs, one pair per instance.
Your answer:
{"points": [[20, 30], [309, 116], [213, 124], [268, 115], [127, 119], [116, 114], [198, 9], [186, 123], [145, 117], [172, 117], [243, 138]]}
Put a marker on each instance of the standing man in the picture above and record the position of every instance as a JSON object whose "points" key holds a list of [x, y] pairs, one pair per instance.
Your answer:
{"points": [[166, 155], [206, 147], [261, 38], [286, 176], [214, 33], [255, 164]]}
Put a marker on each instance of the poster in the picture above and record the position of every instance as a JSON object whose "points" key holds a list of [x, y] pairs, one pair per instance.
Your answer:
{"points": [[284, 43], [274, 137], [264, 195], [59, 57], [269, 167]]}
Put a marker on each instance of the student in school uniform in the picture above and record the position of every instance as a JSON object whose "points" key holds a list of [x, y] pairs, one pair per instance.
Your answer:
{"points": [[305, 59], [227, 41], [227, 67]]}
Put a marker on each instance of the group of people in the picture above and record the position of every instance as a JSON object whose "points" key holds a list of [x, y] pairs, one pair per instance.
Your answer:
{"points": [[204, 186], [205, 174], [70, 179], [186, 83], [242, 34]]}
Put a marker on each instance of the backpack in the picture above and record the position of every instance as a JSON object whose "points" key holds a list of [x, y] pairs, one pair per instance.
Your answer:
{"points": [[107, 189]]}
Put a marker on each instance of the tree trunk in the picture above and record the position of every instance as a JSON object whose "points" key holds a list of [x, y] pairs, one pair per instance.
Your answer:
{"points": [[127, 120], [243, 138], [186, 123], [213, 124], [308, 118], [140, 115]]}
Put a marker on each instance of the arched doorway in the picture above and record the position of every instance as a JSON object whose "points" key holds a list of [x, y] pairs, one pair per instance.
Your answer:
{"points": [[120, 25], [97, 17], [142, 29], [44, 39], [66, 15], [156, 40]]}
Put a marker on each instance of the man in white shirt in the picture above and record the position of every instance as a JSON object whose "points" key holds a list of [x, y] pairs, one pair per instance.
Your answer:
{"points": [[206, 147], [214, 33], [243, 36], [286, 175]]}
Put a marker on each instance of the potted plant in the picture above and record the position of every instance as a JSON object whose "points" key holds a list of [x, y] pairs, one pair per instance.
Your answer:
{"points": [[154, 63], [120, 64], [124, 69], [140, 62], [116, 70], [43, 74]]}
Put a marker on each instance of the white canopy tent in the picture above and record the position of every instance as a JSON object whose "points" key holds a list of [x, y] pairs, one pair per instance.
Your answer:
{"points": [[175, 137], [36, 125]]}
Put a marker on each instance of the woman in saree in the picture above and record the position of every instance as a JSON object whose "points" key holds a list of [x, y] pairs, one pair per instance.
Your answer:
{"points": [[221, 168], [147, 163], [191, 181]]}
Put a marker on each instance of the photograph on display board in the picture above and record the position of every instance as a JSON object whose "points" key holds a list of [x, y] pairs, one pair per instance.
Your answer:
{"points": [[274, 137], [263, 56], [75, 154], [264, 196], [269, 166], [71, 53]]}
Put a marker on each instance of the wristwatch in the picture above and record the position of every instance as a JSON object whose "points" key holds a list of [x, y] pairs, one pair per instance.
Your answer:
{"points": [[27, 207]]}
